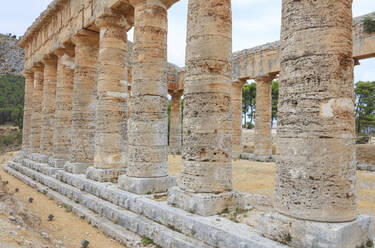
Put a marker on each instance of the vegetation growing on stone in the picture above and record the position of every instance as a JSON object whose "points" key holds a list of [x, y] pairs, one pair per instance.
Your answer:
{"points": [[369, 25]]}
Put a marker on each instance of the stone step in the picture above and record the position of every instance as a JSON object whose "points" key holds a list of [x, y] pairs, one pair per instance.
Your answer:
{"points": [[161, 235], [214, 230]]}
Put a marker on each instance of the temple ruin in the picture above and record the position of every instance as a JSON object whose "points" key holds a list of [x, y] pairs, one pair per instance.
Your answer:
{"points": [[96, 123]]}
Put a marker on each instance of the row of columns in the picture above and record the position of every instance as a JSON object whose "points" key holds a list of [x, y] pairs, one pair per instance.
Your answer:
{"points": [[315, 173]]}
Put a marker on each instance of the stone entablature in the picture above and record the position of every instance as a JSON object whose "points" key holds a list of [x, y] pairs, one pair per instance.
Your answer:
{"points": [[263, 60]]}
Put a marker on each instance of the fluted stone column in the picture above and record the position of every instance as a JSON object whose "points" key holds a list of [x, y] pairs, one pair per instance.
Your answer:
{"points": [[147, 170], [316, 172], [27, 112], [263, 119], [84, 102], [48, 107], [64, 102], [175, 123], [111, 106], [237, 118], [36, 117], [205, 187]]}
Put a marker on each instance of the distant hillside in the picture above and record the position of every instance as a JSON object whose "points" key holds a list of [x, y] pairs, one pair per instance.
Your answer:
{"points": [[11, 56]]}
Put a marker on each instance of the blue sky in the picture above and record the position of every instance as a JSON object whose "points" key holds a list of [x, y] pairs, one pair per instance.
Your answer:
{"points": [[255, 22]]}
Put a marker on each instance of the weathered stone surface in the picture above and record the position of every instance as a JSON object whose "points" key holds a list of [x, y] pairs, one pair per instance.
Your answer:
{"points": [[28, 110], [147, 137], [49, 101], [146, 186], [112, 91], [263, 119], [175, 123], [84, 99], [207, 127], [36, 117], [315, 176], [306, 234], [237, 118], [64, 100]]}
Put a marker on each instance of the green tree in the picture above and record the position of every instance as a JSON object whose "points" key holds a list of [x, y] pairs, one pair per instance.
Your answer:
{"points": [[275, 99], [365, 106], [11, 99], [249, 101]]}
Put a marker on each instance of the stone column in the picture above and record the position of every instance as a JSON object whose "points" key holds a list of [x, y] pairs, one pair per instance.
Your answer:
{"points": [[316, 172], [175, 123], [36, 117], [263, 119], [84, 102], [237, 118], [205, 187], [147, 170], [27, 112], [48, 107], [63, 114], [111, 106]]}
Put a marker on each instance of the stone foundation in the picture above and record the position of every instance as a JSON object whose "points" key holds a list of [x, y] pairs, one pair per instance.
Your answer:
{"points": [[104, 175], [146, 186], [76, 168], [205, 204], [303, 233]]}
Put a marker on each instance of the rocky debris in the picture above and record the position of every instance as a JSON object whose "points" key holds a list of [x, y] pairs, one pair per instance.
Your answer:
{"points": [[31, 200], [50, 217], [85, 243], [11, 56]]}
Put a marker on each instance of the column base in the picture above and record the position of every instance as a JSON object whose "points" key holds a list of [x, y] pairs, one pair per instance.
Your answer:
{"points": [[40, 158], [263, 157], [57, 162], [310, 234], [76, 168], [204, 204], [104, 175], [146, 186], [174, 151]]}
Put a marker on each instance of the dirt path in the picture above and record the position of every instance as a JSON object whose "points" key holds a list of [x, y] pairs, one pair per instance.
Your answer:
{"points": [[66, 230]]}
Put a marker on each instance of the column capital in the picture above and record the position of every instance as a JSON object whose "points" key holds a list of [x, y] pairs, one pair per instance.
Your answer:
{"points": [[38, 66], [162, 3], [266, 78], [115, 19], [239, 83], [28, 73], [67, 48], [49, 59], [86, 37]]}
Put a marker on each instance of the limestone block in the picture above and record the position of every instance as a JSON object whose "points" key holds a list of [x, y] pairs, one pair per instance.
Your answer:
{"points": [[146, 186], [112, 94], [175, 124], [84, 99], [315, 175], [310, 234], [36, 117], [64, 100], [28, 110], [49, 103], [263, 119], [237, 118]]}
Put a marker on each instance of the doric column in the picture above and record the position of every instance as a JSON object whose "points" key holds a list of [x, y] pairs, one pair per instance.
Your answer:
{"points": [[48, 107], [237, 118], [36, 117], [206, 177], [263, 119], [147, 169], [27, 111], [63, 114], [175, 123], [316, 174], [111, 106], [84, 102]]}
